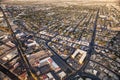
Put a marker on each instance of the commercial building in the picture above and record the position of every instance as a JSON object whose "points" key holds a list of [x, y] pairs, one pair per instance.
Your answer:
{"points": [[79, 55]]}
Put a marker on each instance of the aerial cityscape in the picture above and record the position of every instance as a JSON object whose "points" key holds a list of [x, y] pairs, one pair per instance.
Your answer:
{"points": [[59, 39]]}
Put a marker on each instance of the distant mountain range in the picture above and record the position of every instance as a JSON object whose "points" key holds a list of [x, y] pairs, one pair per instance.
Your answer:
{"points": [[60, 0]]}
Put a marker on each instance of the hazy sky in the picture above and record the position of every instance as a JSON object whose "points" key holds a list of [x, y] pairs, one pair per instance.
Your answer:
{"points": [[58, 0]]}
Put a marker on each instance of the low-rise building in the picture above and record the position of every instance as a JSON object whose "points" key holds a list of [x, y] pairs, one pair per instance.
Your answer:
{"points": [[62, 75], [79, 55]]}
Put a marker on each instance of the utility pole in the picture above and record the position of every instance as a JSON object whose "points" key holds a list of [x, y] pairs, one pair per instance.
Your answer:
{"points": [[31, 75]]}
